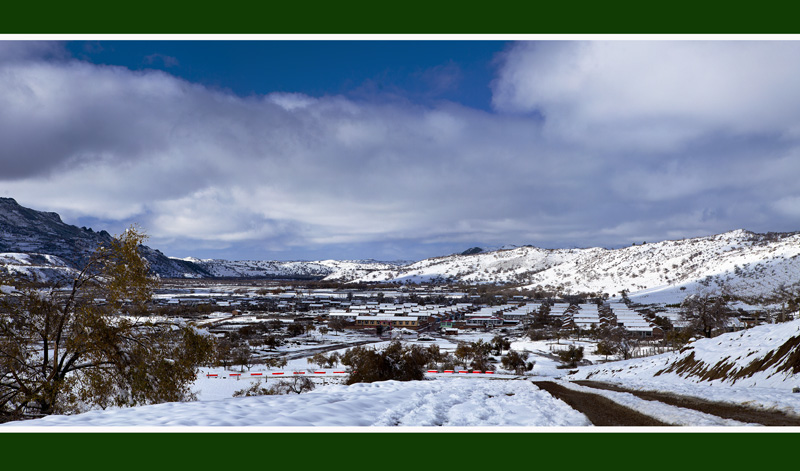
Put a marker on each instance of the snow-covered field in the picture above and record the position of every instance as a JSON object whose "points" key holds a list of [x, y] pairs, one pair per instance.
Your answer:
{"points": [[461, 401], [448, 402]]}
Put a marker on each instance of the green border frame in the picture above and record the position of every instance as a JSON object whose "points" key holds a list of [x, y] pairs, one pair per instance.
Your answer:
{"points": [[409, 17], [364, 450]]}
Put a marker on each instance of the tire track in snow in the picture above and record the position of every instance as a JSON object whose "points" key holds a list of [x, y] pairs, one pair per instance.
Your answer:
{"points": [[720, 409], [593, 401], [601, 411]]}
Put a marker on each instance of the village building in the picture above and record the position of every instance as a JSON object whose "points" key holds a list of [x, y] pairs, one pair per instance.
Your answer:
{"points": [[392, 321]]}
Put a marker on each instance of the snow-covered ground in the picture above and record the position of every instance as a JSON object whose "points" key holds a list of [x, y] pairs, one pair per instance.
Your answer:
{"points": [[466, 401], [450, 402], [770, 389]]}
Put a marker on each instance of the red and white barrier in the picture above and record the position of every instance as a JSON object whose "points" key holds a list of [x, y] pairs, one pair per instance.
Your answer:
{"points": [[277, 373], [334, 373], [461, 372]]}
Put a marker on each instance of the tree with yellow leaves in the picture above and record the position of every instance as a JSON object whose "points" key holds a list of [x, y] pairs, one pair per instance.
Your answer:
{"points": [[73, 348]]}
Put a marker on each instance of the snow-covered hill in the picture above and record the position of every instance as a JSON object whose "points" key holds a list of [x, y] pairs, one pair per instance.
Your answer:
{"points": [[763, 358], [347, 269], [748, 264]]}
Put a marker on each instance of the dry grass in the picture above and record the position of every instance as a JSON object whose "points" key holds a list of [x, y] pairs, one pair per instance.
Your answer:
{"points": [[784, 359]]}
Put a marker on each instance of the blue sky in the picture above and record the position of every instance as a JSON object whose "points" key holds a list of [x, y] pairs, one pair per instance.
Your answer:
{"points": [[387, 149], [419, 71]]}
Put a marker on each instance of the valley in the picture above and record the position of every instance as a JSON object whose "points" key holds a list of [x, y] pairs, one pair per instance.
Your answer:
{"points": [[527, 324]]}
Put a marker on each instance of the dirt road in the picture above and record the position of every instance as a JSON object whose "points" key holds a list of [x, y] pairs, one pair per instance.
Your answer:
{"points": [[599, 410], [719, 409], [602, 411]]}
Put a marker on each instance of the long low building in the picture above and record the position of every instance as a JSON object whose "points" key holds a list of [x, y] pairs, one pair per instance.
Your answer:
{"points": [[483, 321], [394, 321]]}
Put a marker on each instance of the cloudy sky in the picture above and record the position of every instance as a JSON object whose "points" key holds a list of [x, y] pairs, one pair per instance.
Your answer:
{"points": [[387, 149]]}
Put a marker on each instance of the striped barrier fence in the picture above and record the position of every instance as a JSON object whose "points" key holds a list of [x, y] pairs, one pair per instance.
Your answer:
{"points": [[461, 372], [323, 373], [275, 373]]}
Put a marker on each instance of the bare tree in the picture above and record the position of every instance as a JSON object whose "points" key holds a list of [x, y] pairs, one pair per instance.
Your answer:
{"points": [[243, 355], [705, 312], [615, 340], [337, 325]]}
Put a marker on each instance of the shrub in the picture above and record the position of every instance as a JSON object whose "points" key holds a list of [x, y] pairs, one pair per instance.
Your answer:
{"points": [[395, 362], [297, 385], [324, 361], [499, 344], [476, 353], [571, 356], [296, 329], [516, 361]]}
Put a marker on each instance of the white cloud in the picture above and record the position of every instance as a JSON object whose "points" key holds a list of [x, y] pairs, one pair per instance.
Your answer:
{"points": [[653, 94], [291, 101], [591, 142]]}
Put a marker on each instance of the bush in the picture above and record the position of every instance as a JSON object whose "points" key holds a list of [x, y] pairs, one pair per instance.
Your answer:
{"points": [[516, 361], [499, 343], [324, 361], [295, 329], [396, 362], [476, 353], [438, 359], [572, 356], [297, 385]]}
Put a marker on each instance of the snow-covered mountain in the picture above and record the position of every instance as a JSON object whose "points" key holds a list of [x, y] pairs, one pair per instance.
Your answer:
{"points": [[36, 243], [40, 243], [748, 264], [340, 269]]}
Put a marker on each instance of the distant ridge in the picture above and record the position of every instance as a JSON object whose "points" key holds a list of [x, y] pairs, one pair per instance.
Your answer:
{"points": [[27, 231], [747, 263], [38, 243], [750, 264]]}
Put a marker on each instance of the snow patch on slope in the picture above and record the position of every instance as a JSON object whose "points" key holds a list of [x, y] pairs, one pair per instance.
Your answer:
{"points": [[751, 265], [727, 368]]}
